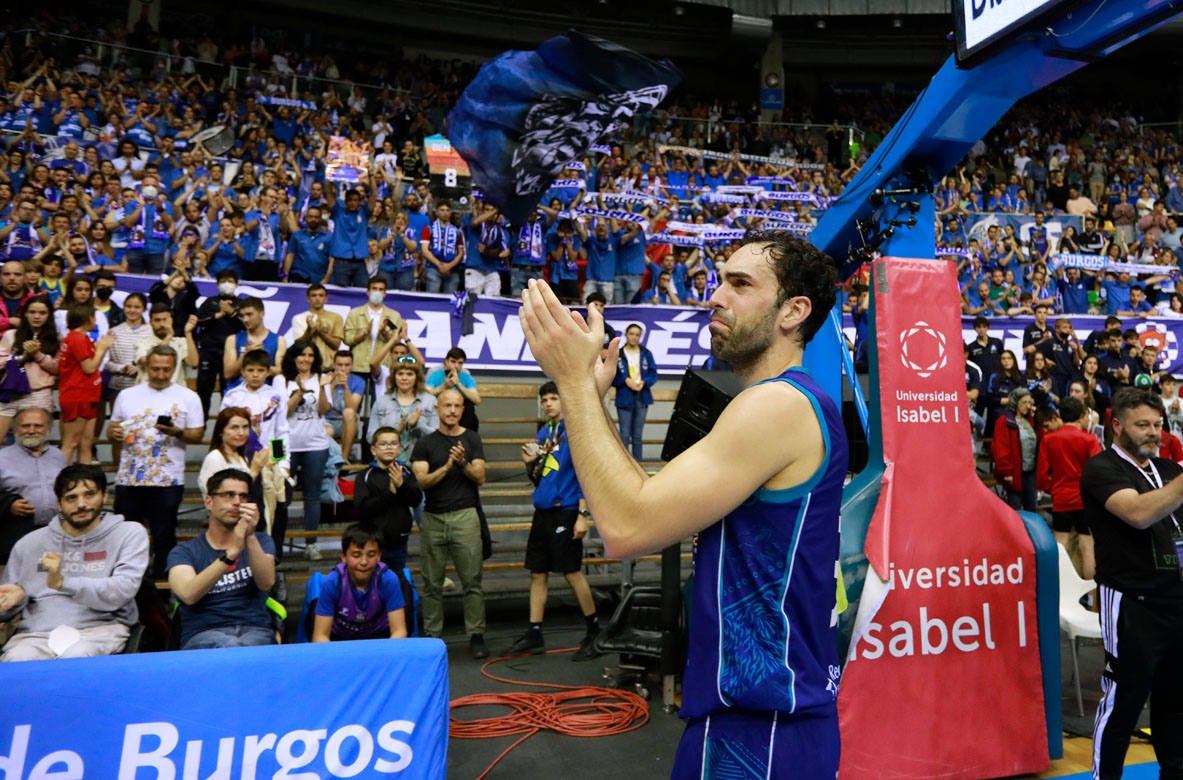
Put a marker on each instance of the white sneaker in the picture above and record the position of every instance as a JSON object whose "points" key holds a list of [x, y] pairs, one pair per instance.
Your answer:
{"points": [[313, 552], [449, 584]]}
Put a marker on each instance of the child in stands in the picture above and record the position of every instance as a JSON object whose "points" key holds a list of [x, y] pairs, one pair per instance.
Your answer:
{"points": [[360, 598]]}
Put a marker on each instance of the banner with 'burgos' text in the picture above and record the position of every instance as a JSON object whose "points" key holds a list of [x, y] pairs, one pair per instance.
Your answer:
{"points": [[943, 675], [303, 712]]}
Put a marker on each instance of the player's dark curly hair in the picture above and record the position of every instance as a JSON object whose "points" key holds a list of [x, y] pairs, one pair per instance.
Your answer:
{"points": [[801, 269]]}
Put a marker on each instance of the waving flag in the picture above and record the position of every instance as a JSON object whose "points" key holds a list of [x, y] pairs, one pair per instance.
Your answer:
{"points": [[529, 113]]}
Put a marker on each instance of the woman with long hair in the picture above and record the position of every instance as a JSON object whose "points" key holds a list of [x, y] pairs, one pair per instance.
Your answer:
{"points": [[227, 448], [79, 289], [1079, 389], [1000, 384], [1039, 380], [35, 343], [16, 169], [1171, 307], [303, 386], [406, 406], [1097, 383]]}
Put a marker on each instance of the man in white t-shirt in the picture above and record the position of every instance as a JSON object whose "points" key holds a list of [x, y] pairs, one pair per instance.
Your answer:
{"points": [[155, 421]]}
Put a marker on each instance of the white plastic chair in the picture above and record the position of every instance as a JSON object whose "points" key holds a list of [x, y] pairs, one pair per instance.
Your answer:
{"points": [[1074, 618]]}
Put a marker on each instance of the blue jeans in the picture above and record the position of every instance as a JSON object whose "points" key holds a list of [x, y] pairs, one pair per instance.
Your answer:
{"points": [[349, 273], [520, 275], [400, 280], [608, 289], [311, 469], [627, 286], [632, 424], [442, 284], [230, 636]]}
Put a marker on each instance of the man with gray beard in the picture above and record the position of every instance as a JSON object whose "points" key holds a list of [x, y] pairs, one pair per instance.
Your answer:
{"points": [[27, 471]]}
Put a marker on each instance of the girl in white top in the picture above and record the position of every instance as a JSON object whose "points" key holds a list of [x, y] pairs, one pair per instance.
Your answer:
{"points": [[227, 447], [121, 359], [303, 386], [35, 342]]}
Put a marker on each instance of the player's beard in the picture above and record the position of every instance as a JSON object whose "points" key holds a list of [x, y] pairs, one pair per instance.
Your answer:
{"points": [[742, 344]]}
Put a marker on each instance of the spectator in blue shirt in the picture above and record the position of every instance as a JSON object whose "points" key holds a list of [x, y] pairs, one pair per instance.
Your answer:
{"points": [[486, 245], [565, 253], [307, 258], [223, 250], [267, 230], [1074, 290], [350, 245], [399, 247], [603, 250], [1117, 292], [630, 264], [149, 218], [529, 252], [1138, 306]]}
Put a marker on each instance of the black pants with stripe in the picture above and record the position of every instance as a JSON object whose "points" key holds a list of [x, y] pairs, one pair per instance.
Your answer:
{"points": [[1143, 658]]}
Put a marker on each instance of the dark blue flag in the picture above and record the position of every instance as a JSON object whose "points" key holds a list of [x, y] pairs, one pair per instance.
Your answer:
{"points": [[529, 113]]}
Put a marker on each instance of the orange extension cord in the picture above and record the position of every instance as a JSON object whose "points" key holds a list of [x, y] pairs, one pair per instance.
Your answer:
{"points": [[574, 710]]}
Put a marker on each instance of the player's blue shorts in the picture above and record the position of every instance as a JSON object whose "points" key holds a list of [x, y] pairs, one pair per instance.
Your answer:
{"points": [[758, 745]]}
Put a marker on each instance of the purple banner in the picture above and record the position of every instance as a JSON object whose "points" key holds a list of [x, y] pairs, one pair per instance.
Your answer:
{"points": [[676, 335]]}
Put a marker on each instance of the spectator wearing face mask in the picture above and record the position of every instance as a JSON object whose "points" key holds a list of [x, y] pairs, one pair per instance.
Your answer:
{"points": [[217, 319]]}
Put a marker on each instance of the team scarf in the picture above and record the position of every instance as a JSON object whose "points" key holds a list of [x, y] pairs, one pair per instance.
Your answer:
{"points": [[778, 216], [32, 241], [722, 234], [530, 241], [267, 248], [631, 197], [722, 197], [690, 227], [619, 216], [445, 240], [492, 236], [409, 260], [772, 181], [141, 230], [740, 189], [675, 240], [496, 239], [804, 197]]}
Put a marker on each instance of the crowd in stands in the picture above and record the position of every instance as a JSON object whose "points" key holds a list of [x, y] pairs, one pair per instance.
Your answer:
{"points": [[103, 172], [1059, 379]]}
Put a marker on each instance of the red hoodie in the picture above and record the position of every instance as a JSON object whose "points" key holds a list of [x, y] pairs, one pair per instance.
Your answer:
{"points": [[1061, 457]]}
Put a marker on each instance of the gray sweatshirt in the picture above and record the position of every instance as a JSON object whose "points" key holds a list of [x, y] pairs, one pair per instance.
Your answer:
{"points": [[101, 572]]}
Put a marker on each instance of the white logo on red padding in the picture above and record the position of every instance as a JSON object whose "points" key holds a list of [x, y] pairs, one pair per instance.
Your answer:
{"points": [[922, 349]]}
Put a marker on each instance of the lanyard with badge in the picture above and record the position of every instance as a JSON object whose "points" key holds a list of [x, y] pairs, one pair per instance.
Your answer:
{"points": [[1152, 476]]}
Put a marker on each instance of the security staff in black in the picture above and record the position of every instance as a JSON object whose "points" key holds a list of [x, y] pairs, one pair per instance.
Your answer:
{"points": [[1132, 502]]}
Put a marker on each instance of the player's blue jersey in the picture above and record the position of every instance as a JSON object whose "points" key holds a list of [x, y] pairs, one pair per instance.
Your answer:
{"points": [[765, 634]]}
